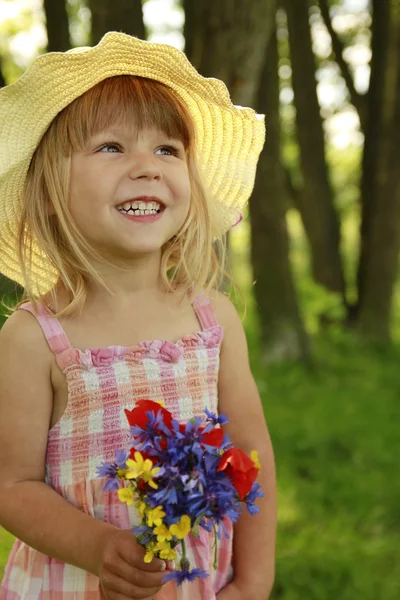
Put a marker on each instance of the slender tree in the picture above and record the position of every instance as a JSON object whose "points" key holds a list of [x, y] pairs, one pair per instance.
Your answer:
{"points": [[378, 111], [380, 189], [2, 80], [316, 202], [116, 15], [218, 37], [358, 100], [57, 25], [281, 329]]}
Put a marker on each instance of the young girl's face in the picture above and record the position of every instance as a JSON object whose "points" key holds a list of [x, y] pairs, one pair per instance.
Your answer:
{"points": [[122, 164]]}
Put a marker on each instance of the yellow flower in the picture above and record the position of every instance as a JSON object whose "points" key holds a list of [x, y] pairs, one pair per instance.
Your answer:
{"points": [[162, 532], [254, 458], [155, 516], [142, 468], [165, 551], [141, 506], [148, 557], [126, 495], [182, 528], [160, 402], [121, 473]]}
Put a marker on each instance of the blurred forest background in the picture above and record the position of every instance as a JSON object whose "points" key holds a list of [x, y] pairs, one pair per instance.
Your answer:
{"points": [[316, 254]]}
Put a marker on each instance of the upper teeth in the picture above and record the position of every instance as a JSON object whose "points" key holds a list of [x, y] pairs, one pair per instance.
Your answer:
{"points": [[140, 206]]}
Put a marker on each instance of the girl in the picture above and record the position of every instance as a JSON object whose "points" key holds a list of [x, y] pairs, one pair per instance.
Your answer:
{"points": [[121, 170]]}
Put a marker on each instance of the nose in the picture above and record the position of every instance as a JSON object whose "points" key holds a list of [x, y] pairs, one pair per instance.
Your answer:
{"points": [[144, 166]]}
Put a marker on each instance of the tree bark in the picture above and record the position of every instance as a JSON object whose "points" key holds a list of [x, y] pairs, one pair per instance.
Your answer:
{"points": [[227, 39], [2, 80], [193, 31], [316, 203], [380, 189], [57, 25], [281, 331], [116, 15]]}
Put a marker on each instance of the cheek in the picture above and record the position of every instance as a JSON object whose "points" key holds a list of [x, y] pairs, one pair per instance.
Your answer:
{"points": [[184, 187]]}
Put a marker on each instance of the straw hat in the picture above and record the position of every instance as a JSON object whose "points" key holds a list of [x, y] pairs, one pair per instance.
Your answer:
{"points": [[229, 138]]}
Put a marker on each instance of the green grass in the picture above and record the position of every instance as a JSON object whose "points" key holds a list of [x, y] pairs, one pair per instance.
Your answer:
{"points": [[336, 440], [6, 541]]}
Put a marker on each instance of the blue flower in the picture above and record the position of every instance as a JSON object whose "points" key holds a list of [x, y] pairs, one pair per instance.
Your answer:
{"points": [[214, 419], [150, 437], [185, 575], [110, 470], [141, 529], [251, 497]]}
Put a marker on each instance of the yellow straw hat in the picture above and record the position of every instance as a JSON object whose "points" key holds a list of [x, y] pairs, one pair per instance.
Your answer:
{"points": [[229, 138]]}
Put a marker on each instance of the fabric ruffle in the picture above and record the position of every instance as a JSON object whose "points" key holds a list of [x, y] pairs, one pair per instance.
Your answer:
{"points": [[156, 349]]}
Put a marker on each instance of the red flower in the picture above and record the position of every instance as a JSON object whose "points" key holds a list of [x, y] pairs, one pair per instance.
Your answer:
{"points": [[138, 415], [215, 437], [240, 468]]}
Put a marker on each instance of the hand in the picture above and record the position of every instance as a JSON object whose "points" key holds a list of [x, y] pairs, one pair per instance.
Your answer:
{"points": [[122, 571]]}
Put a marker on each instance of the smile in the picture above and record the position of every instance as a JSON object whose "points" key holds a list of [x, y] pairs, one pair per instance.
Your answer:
{"points": [[142, 216]]}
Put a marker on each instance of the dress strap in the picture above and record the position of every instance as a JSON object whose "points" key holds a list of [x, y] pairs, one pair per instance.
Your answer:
{"points": [[51, 327], [204, 311]]}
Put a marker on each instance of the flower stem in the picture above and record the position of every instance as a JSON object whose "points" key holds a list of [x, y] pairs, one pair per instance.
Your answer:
{"points": [[215, 548], [184, 560]]}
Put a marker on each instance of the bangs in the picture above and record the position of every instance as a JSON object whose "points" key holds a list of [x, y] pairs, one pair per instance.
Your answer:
{"points": [[122, 100]]}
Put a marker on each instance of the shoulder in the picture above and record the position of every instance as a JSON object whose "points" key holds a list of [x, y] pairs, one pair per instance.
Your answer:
{"points": [[21, 337], [225, 311], [20, 326], [234, 350], [26, 398]]}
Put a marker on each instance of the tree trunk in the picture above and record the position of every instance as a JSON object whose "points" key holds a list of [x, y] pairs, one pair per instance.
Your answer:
{"points": [[116, 15], [2, 80], [380, 190], [219, 44], [193, 31], [316, 203], [57, 25], [281, 330]]}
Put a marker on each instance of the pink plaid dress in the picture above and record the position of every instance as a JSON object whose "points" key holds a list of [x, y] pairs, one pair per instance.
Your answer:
{"points": [[102, 382]]}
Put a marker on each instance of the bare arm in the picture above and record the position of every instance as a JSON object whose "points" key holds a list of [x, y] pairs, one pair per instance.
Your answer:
{"points": [[29, 508], [254, 536]]}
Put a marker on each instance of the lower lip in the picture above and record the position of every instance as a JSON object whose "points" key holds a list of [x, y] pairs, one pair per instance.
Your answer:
{"points": [[142, 218]]}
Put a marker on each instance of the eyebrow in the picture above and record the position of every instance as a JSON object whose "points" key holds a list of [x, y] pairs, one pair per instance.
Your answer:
{"points": [[111, 131], [123, 131]]}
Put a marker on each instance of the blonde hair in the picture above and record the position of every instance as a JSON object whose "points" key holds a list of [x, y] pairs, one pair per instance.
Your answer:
{"points": [[191, 259]]}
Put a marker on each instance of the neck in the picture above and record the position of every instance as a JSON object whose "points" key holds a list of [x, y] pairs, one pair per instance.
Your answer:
{"points": [[137, 286]]}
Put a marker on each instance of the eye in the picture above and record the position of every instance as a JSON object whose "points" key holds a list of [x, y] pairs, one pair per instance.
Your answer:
{"points": [[110, 145], [170, 151]]}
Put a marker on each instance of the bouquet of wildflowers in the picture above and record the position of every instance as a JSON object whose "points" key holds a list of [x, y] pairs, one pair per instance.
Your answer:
{"points": [[181, 477]]}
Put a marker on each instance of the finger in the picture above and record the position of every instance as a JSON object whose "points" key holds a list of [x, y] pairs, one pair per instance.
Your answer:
{"points": [[136, 576], [137, 560], [115, 586]]}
